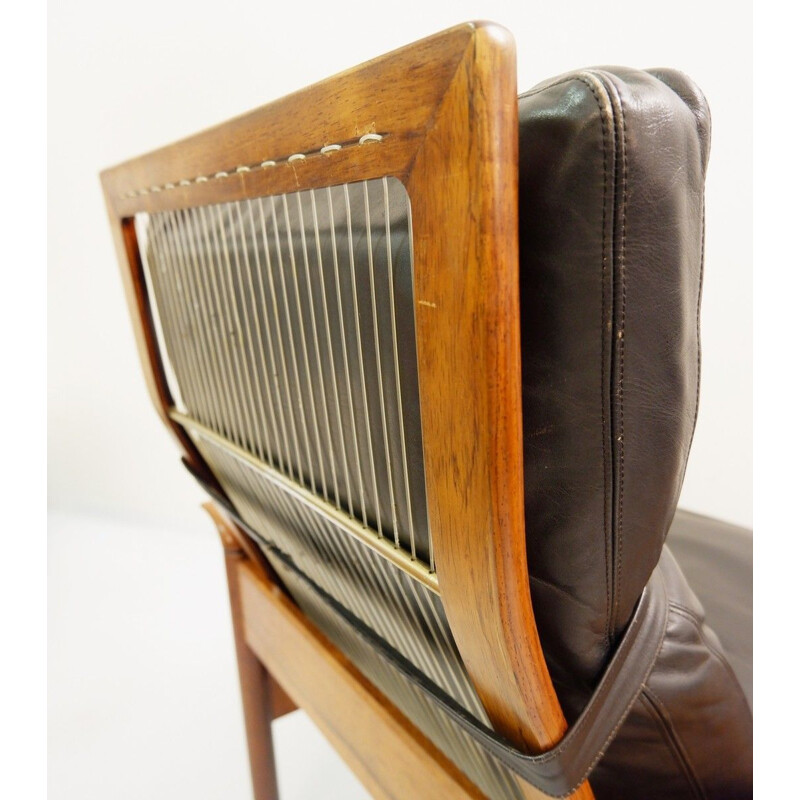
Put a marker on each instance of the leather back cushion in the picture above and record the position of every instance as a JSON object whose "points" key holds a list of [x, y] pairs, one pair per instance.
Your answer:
{"points": [[612, 167]]}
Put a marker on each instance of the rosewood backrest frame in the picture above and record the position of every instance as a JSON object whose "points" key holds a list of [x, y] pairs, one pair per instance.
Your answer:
{"points": [[446, 111]]}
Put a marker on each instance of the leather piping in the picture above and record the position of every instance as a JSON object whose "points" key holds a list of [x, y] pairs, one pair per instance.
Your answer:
{"points": [[612, 127]]}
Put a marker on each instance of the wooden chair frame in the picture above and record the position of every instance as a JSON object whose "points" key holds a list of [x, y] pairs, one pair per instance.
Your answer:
{"points": [[445, 111]]}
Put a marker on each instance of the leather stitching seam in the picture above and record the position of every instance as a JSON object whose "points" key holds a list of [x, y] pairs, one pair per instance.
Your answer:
{"points": [[697, 324], [591, 81], [659, 713], [622, 269], [620, 335], [698, 624], [603, 346]]}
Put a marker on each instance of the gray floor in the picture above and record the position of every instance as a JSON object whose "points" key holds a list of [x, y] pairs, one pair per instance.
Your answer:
{"points": [[142, 687]]}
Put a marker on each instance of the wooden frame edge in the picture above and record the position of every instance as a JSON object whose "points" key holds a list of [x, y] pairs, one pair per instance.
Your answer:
{"points": [[305, 666], [458, 137], [470, 389]]}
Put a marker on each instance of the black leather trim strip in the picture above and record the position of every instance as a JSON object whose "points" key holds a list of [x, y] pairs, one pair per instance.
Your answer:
{"points": [[561, 770], [216, 494]]}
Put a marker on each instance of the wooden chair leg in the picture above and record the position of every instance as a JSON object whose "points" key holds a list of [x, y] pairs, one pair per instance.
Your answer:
{"points": [[259, 692]]}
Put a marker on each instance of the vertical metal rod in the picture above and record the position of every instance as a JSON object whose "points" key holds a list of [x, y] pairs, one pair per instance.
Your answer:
{"points": [[332, 363], [376, 334], [229, 333], [198, 306], [316, 343], [176, 290], [348, 385], [361, 360], [235, 420], [304, 349], [363, 567], [189, 307], [157, 268], [216, 380], [252, 321], [404, 456], [268, 367], [299, 397], [283, 401], [238, 335]]}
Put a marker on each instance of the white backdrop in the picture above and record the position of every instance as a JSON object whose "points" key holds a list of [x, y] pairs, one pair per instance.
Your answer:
{"points": [[142, 679], [123, 80]]}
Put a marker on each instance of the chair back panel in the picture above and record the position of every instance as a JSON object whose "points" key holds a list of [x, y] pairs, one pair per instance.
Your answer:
{"points": [[350, 385], [288, 324], [287, 327]]}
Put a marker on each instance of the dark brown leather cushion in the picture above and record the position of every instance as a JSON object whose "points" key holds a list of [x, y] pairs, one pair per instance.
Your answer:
{"points": [[717, 560], [689, 733], [612, 170]]}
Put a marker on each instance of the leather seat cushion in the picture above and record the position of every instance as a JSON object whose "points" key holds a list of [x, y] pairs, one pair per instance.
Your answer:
{"points": [[717, 560]]}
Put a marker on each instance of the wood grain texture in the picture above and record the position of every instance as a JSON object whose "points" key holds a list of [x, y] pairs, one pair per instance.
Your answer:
{"points": [[131, 270], [351, 712], [470, 388], [237, 545], [447, 108], [395, 95], [254, 681]]}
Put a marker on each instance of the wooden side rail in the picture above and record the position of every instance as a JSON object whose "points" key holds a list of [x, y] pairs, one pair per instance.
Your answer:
{"points": [[445, 113], [262, 698], [277, 646]]}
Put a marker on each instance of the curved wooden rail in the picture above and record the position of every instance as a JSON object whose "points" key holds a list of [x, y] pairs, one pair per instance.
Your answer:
{"points": [[447, 109]]}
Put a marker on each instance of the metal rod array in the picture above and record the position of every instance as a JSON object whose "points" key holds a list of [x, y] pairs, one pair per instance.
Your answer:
{"points": [[288, 323]]}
